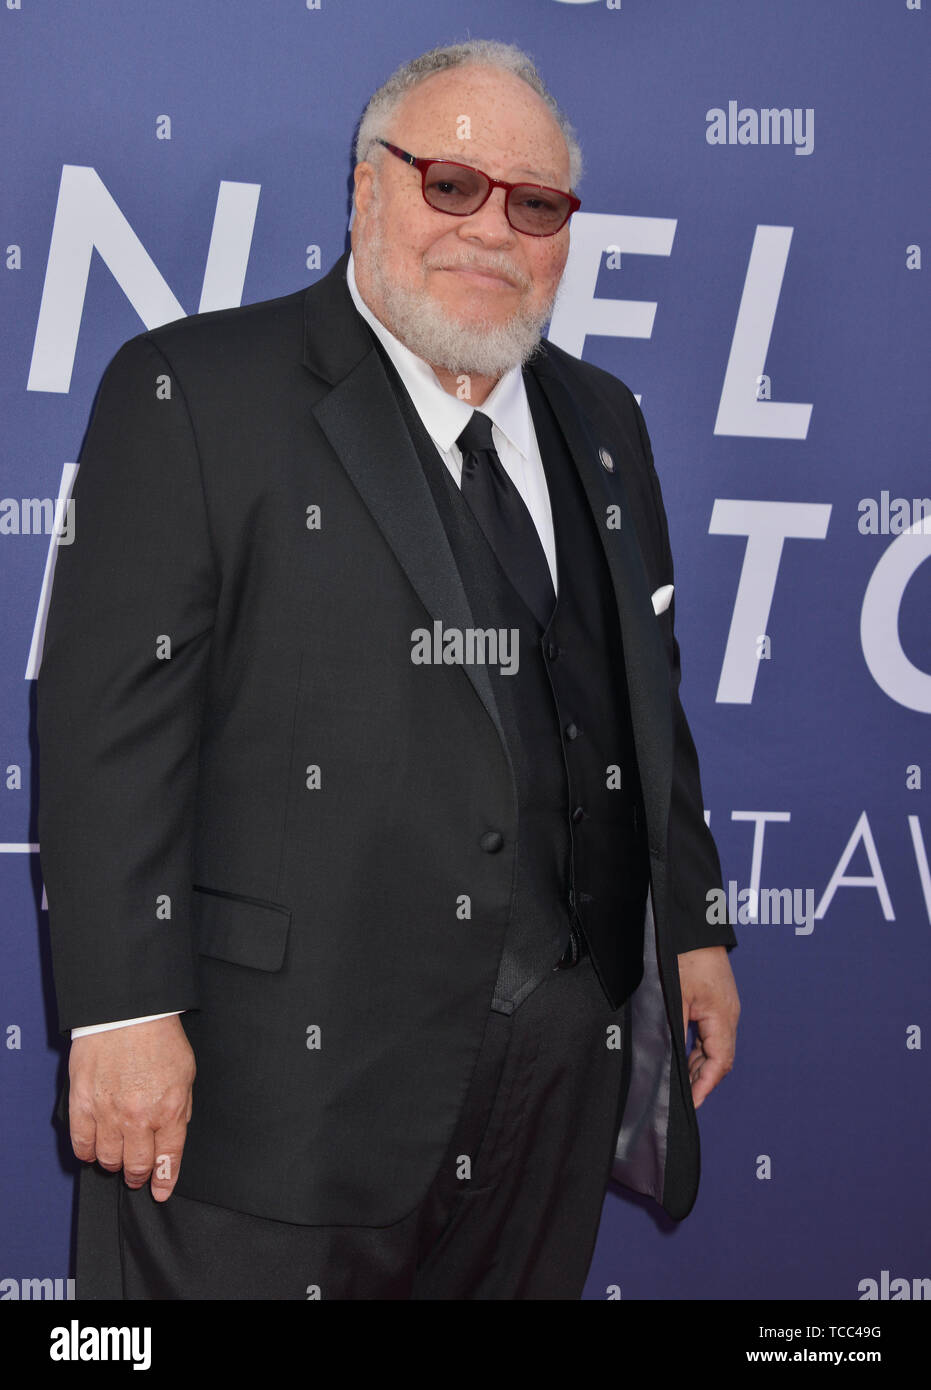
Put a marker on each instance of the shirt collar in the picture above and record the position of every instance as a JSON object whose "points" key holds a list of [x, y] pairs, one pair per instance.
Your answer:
{"points": [[445, 416]]}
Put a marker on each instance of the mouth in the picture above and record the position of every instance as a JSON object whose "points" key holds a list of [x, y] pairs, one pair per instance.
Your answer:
{"points": [[490, 279]]}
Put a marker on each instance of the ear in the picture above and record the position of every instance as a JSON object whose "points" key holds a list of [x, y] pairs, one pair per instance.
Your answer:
{"points": [[363, 177]]}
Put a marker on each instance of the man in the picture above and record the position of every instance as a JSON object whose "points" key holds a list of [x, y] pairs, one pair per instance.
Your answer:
{"points": [[363, 764]]}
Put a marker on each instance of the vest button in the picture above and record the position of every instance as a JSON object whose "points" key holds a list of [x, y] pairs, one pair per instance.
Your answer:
{"points": [[578, 814], [491, 841], [572, 731]]}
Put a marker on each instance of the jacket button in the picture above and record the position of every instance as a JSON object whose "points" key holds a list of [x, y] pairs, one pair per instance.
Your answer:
{"points": [[552, 651], [578, 814], [572, 731], [491, 841]]}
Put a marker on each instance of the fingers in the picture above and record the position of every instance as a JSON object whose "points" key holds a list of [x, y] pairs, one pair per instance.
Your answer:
{"points": [[710, 1001], [138, 1155], [95, 1138], [710, 1060], [141, 1152], [169, 1145], [109, 1148], [705, 1076], [83, 1129]]}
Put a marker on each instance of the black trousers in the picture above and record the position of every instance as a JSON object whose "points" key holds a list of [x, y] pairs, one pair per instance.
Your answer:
{"points": [[512, 1213]]}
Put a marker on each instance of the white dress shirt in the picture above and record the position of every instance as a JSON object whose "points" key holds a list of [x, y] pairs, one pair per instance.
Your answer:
{"points": [[445, 417]]}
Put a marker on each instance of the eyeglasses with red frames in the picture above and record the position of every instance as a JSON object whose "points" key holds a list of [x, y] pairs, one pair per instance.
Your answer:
{"points": [[460, 190]]}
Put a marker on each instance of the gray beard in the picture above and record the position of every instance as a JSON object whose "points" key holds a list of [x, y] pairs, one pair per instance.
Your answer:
{"points": [[485, 348]]}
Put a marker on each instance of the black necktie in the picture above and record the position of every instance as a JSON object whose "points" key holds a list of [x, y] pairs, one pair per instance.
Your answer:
{"points": [[500, 511]]}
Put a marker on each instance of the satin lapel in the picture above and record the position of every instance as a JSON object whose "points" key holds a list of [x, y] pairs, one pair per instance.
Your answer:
{"points": [[361, 419], [645, 656]]}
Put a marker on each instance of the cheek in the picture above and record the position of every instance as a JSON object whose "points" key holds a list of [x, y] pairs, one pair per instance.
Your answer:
{"points": [[548, 271], [408, 246], [397, 263]]}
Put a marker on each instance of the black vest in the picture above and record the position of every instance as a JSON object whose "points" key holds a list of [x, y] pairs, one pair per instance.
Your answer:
{"points": [[582, 859]]}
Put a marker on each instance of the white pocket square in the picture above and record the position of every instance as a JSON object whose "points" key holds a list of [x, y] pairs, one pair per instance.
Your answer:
{"points": [[662, 598]]}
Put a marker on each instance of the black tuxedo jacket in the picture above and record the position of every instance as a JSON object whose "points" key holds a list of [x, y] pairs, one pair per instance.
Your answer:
{"points": [[256, 808]]}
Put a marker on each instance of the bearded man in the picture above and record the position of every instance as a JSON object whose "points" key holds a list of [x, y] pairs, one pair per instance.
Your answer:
{"points": [[366, 791]]}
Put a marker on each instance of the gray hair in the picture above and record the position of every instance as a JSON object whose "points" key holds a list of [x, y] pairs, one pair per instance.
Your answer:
{"points": [[478, 52]]}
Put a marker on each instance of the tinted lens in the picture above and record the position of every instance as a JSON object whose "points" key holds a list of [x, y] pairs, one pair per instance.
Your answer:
{"points": [[450, 188], [537, 210]]}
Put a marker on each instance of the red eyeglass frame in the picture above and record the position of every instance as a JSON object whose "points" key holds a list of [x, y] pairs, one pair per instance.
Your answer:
{"points": [[422, 165]]}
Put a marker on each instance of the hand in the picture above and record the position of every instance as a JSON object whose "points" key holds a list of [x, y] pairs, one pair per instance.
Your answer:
{"points": [[131, 1101], [709, 1000]]}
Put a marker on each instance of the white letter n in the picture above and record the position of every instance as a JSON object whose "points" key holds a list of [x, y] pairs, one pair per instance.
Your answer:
{"points": [[87, 219]]}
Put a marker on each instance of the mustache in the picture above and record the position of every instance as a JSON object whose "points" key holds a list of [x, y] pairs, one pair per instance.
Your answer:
{"points": [[496, 266]]}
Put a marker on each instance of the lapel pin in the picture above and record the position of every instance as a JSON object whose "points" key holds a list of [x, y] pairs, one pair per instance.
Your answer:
{"points": [[607, 462]]}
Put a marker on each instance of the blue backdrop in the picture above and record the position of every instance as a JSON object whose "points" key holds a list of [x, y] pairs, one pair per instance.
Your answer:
{"points": [[748, 260]]}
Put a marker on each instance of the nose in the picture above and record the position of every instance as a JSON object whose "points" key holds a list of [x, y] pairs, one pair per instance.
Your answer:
{"points": [[489, 223]]}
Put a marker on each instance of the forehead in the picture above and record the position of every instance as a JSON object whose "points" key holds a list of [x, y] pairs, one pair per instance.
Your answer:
{"points": [[485, 117]]}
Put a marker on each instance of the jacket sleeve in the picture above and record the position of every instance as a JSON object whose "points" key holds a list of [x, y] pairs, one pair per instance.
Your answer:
{"points": [[119, 699], [692, 857]]}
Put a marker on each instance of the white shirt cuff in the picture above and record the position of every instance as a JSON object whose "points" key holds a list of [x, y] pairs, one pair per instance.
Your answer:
{"points": [[121, 1023]]}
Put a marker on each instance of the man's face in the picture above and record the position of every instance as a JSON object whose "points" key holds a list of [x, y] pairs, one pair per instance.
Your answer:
{"points": [[468, 294]]}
